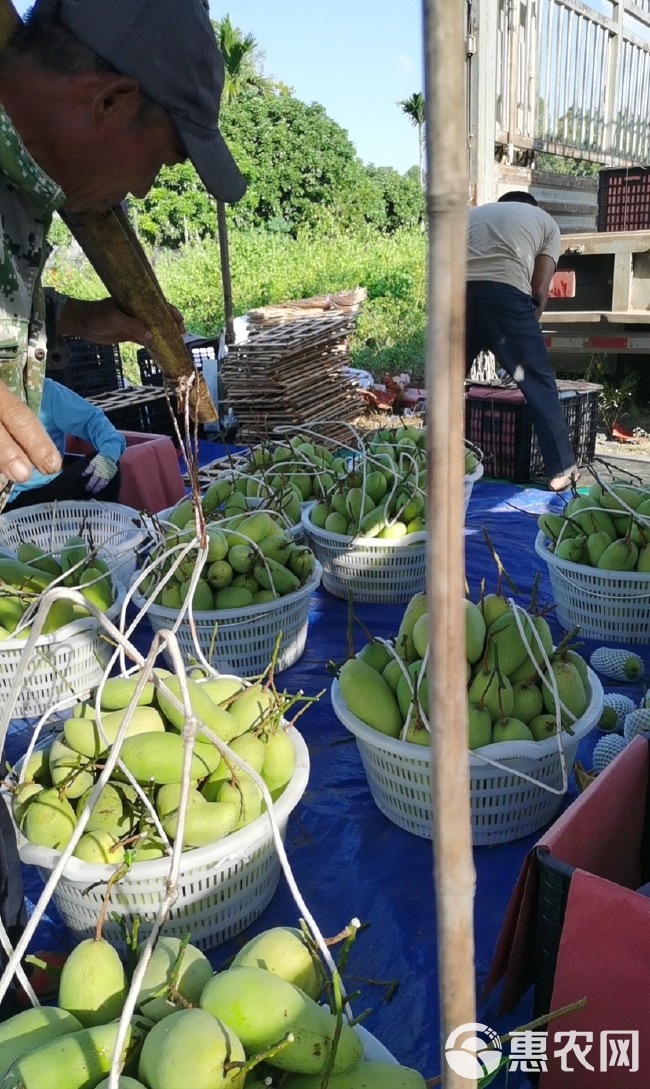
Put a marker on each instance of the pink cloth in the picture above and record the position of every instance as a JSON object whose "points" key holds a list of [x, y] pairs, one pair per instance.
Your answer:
{"points": [[151, 476]]}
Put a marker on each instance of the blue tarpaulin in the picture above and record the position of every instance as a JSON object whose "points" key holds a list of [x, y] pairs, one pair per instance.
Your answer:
{"points": [[348, 859]]}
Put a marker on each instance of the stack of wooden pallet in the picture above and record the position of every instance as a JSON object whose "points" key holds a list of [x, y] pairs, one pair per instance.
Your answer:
{"points": [[339, 302], [291, 373]]}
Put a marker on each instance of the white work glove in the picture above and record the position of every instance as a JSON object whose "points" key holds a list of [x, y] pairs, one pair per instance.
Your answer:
{"points": [[100, 472]]}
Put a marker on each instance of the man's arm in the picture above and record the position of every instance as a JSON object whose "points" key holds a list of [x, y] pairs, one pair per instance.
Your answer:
{"points": [[540, 282], [103, 323]]}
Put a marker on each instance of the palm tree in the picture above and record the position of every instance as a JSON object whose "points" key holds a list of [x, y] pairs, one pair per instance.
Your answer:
{"points": [[238, 51], [413, 107]]}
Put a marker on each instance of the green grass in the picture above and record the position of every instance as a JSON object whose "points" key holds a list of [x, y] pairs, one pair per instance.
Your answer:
{"points": [[272, 268]]}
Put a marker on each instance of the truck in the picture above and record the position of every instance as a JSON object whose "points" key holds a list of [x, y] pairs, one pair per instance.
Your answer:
{"points": [[569, 79]]}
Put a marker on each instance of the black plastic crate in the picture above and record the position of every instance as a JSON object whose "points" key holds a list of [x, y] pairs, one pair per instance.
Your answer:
{"points": [[554, 882], [91, 369], [498, 420], [624, 199]]}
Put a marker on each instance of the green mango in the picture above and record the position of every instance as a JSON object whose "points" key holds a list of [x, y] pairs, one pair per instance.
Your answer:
{"points": [[123, 1082], [253, 707], [35, 557], [491, 692], [505, 644], [220, 575], [50, 820], [37, 768], [367, 1075], [475, 631], [221, 722], [510, 729], [59, 614], [392, 673], [596, 545], [621, 555], [338, 523], [493, 606], [404, 645], [244, 796], [571, 691], [78, 1060], [182, 513], [113, 812], [12, 610], [118, 692], [233, 597], [99, 848], [26, 1031], [96, 588], [479, 726], [30, 1029], [194, 972], [369, 697], [22, 796], [69, 770], [191, 1051], [205, 822], [319, 514], [85, 737], [222, 689], [158, 757], [572, 549], [376, 655], [273, 576], [542, 727], [527, 701], [279, 761], [283, 950], [261, 1008], [93, 983]]}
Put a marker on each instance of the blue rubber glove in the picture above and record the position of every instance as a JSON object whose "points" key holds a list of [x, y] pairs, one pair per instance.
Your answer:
{"points": [[100, 472]]}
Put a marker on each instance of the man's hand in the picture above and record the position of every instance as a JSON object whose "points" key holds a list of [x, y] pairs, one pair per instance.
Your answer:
{"points": [[24, 442], [102, 323]]}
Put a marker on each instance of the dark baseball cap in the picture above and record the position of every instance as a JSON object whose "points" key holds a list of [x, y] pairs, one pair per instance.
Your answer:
{"points": [[170, 48]]}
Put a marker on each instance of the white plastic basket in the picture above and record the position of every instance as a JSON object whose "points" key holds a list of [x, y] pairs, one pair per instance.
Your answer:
{"points": [[242, 641], [612, 605], [470, 480], [222, 888], [372, 570], [504, 806], [66, 663], [115, 530]]}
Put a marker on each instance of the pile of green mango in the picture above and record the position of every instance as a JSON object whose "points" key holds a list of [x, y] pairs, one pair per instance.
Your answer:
{"points": [[508, 698], [193, 1027], [58, 780], [251, 560], [25, 577], [299, 463], [596, 529], [384, 492]]}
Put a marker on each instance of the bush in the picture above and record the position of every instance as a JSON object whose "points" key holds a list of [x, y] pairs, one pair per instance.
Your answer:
{"points": [[272, 267]]}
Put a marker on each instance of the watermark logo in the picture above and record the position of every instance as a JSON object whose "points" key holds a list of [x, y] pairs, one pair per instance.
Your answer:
{"points": [[473, 1050]]}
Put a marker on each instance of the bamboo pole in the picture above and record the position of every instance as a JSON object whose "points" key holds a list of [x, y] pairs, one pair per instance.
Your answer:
{"points": [[224, 256], [114, 250], [446, 190]]}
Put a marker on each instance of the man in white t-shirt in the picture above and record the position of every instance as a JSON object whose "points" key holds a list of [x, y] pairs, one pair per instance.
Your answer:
{"points": [[512, 251]]}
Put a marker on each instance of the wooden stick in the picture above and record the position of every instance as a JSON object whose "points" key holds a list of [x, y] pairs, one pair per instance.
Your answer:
{"points": [[113, 249], [445, 368]]}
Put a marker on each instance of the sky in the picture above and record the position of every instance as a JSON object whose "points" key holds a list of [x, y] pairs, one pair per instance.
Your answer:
{"points": [[357, 58]]}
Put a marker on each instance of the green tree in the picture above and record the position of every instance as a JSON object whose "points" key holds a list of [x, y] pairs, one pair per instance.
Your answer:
{"points": [[241, 61], [301, 167], [413, 107], [402, 197]]}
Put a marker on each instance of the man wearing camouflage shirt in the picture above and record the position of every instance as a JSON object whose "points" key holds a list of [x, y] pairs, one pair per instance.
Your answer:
{"points": [[95, 97]]}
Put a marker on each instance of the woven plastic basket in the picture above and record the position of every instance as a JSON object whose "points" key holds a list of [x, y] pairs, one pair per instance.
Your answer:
{"points": [[68, 662], [222, 888], [612, 605], [242, 641], [470, 480], [504, 806], [371, 570], [114, 530]]}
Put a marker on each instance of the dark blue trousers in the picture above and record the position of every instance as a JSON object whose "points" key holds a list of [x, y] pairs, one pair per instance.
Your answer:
{"points": [[501, 319]]}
